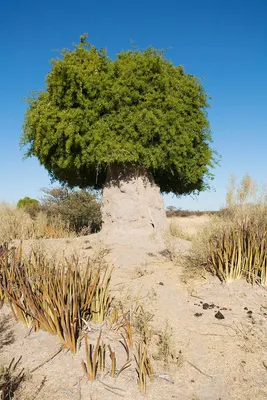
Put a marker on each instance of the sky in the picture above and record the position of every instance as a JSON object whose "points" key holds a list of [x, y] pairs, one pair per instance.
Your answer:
{"points": [[223, 42]]}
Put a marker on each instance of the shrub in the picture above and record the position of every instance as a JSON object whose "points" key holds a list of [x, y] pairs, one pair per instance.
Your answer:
{"points": [[31, 206], [77, 208]]}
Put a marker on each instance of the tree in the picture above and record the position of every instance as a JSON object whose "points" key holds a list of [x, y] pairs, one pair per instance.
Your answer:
{"points": [[101, 122], [31, 206]]}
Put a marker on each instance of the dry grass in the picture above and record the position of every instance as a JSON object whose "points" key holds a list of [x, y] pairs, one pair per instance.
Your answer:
{"points": [[176, 231], [234, 244], [18, 224]]}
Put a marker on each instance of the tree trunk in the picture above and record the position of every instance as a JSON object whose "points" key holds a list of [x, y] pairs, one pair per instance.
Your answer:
{"points": [[131, 202]]}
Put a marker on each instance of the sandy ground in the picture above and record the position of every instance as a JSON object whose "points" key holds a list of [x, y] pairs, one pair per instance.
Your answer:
{"points": [[213, 359]]}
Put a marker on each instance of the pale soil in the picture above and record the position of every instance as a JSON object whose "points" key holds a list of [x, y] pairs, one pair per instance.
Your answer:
{"points": [[214, 359]]}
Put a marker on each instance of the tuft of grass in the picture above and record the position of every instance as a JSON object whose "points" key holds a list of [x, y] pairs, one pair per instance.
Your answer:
{"points": [[177, 232], [165, 351]]}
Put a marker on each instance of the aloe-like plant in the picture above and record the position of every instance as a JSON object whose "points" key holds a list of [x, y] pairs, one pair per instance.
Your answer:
{"points": [[55, 298], [95, 358], [240, 251], [144, 367]]}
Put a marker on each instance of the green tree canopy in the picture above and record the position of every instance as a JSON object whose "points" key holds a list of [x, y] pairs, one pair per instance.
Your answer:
{"points": [[139, 109], [27, 202]]}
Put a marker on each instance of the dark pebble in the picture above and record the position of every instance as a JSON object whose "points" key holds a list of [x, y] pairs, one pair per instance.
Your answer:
{"points": [[249, 312], [245, 308], [205, 306], [219, 315], [198, 314], [161, 284], [211, 306]]}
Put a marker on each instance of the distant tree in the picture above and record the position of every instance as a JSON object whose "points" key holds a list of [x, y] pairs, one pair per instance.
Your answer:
{"points": [[31, 206], [100, 121], [171, 208]]}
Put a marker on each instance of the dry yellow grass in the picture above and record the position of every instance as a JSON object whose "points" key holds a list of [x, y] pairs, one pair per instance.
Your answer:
{"points": [[17, 224]]}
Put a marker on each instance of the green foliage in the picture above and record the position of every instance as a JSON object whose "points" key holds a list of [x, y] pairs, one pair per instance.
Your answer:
{"points": [[31, 206], [27, 201], [77, 208], [139, 109]]}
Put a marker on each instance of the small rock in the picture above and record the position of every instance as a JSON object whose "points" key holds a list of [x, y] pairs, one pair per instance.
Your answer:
{"points": [[198, 314], [219, 315], [245, 308], [212, 306], [205, 306], [161, 283], [249, 312], [223, 309]]}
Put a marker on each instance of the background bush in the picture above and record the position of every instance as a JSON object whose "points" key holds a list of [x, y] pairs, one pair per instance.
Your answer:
{"points": [[61, 212], [80, 209]]}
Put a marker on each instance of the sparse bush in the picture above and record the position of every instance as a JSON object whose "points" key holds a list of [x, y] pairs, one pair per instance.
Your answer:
{"points": [[77, 208]]}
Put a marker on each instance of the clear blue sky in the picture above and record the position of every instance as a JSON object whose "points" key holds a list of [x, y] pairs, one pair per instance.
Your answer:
{"points": [[222, 41]]}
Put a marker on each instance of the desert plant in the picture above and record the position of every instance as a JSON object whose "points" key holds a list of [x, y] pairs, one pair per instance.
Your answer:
{"points": [[95, 358], [234, 246], [241, 251], [31, 206], [101, 300], [144, 367], [165, 344], [10, 379], [112, 355], [79, 209], [53, 298]]}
